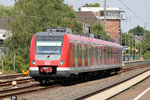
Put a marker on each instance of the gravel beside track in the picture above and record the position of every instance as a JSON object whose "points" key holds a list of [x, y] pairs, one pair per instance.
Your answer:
{"points": [[79, 90]]}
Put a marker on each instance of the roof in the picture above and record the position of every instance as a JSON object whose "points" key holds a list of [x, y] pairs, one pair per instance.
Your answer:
{"points": [[4, 21], [87, 17], [96, 9]]}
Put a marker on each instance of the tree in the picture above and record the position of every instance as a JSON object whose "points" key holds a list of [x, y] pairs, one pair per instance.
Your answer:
{"points": [[31, 17], [92, 5], [6, 11], [89, 5], [137, 31], [97, 29]]}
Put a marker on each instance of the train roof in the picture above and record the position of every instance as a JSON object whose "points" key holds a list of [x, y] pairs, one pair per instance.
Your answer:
{"points": [[81, 38], [92, 40]]}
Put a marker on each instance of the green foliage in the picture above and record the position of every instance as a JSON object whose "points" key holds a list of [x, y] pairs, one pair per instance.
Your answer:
{"points": [[6, 11], [92, 5], [137, 30], [146, 55], [89, 5], [8, 63], [97, 29], [145, 44], [128, 40], [31, 17]]}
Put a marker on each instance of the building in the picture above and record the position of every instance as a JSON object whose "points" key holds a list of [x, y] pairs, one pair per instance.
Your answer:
{"points": [[113, 20], [4, 32], [88, 19]]}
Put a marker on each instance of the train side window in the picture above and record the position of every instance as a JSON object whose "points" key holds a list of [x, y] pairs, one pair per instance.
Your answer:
{"points": [[89, 54], [71, 52]]}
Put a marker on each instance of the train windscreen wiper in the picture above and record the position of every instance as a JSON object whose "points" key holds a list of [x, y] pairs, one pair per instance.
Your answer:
{"points": [[52, 52]]}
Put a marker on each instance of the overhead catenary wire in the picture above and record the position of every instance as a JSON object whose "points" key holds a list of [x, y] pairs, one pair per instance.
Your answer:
{"points": [[132, 11]]}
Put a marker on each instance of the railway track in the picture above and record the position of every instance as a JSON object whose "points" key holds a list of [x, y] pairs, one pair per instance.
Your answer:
{"points": [[11, 76], [19, 81], [29, 85]]}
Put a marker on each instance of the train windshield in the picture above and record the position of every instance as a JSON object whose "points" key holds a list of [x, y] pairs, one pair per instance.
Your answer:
{"points": [[48, 45]]}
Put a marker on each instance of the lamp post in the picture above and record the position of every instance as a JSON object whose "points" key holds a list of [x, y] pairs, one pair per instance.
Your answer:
{"points": [[125, 46], [132, 49], [135, 49], [129, 46]]}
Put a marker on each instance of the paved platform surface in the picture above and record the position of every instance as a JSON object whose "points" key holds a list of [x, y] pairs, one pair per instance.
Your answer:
{"points": [[138, 92]]}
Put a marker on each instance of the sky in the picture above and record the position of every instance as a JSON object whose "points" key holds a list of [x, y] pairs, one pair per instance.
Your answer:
{"points": [[137, 12]]}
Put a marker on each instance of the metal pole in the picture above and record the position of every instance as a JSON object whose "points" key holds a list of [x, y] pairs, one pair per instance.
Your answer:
{"points": [[125, 46], [140, 50], [105, 15], [130, 48], [135, 50], [14, 61]]}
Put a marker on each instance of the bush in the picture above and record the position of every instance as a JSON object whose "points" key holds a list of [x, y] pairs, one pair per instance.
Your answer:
{"points": [[146, 55], [8, 64]]}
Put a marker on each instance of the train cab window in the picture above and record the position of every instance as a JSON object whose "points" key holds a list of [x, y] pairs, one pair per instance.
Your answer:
{"points": [[47, 45]]}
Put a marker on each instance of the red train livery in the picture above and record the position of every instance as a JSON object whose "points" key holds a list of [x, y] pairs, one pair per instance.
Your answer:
{"points": [[55, 54]]}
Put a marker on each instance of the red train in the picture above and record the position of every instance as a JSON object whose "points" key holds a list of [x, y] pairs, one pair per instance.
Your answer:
{"points": [[59, 54]]}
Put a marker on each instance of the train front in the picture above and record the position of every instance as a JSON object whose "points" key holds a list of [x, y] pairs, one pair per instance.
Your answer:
{"points": [[45, 53]]}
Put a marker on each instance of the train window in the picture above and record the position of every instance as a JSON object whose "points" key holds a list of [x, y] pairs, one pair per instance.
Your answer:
{"points": [[85, 55], [101, 54], [96, 53], [73, 54], [89, 53], [81, 52], [116, 56], [46, 45], [71, 51]]}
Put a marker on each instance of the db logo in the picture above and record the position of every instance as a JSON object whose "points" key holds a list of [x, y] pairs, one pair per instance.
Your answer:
{"points": [[47, 63]]}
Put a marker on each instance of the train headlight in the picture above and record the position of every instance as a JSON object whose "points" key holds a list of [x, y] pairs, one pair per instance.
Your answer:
{"points": [[61, 62], [33, 62]]}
